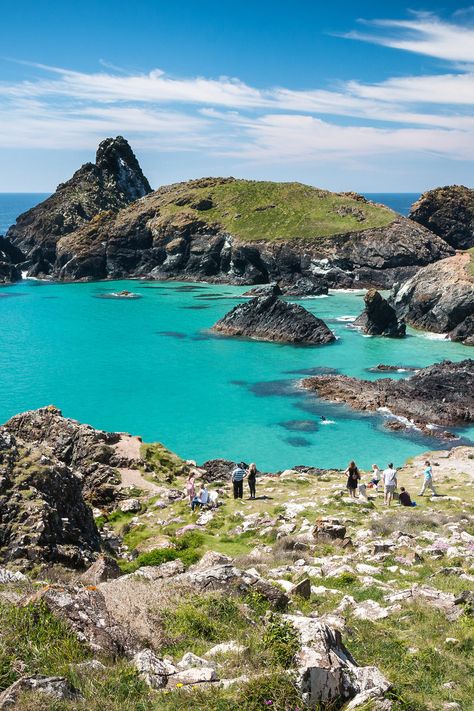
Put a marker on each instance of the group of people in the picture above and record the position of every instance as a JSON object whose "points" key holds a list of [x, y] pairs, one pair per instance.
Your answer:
{"points": [[388, 477], [204, 497]]}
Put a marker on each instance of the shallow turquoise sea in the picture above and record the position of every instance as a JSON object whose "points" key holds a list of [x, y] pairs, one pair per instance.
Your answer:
{"points": [[151, 367]]}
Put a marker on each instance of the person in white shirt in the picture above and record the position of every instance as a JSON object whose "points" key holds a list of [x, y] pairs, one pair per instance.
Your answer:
{"points": [[390, 483], [201, 499]]}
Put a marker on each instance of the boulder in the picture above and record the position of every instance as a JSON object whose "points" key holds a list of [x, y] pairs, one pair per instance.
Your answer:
{"points": [[379, 318], [326, 672], [269, 318], [449, 213], [302, 589], [130, 506], [264, 290], [55, 686], [153, 670]]}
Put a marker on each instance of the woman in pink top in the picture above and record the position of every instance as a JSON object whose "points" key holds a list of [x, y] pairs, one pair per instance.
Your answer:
{"points": [[191, 486]]}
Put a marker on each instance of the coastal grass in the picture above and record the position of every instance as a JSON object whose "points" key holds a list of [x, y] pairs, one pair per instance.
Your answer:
{"points": [[33, 641], [264, 210], [470, 266]]}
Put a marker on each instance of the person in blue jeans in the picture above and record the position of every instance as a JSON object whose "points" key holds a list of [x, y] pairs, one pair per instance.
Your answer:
{"points": [[238, 476], [201, 499]]}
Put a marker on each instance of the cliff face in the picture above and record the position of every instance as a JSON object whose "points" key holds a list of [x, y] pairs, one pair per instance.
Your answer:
{"points": [[175, 232], [449, 213], [10, 256], [112, 182], [440, 298]]}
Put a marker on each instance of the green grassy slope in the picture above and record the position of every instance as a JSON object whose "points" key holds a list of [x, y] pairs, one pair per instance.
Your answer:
{"points": [[254, 210]]}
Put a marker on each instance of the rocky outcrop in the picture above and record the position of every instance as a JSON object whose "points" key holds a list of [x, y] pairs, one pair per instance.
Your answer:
{"points": [[449, 213], [43, 515], [442, 394], [217, 229], [379, 318], [89, 452], [56, 687], [112, 182], [10, 256], [269, 318], [440, 298]]}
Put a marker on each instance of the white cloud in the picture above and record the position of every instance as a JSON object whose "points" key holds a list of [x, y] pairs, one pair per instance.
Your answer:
{"points": [[416, 115]]}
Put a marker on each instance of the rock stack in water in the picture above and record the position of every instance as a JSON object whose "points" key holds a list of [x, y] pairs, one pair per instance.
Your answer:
{"points": [[379, 318], [112, 182], [268, 318], [449, 213]]}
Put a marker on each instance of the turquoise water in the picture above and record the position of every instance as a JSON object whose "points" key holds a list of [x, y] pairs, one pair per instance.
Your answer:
{"points": [[149, 367]]}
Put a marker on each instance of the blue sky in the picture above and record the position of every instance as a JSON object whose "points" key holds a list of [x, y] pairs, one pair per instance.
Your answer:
{"points": [[365, 96]]}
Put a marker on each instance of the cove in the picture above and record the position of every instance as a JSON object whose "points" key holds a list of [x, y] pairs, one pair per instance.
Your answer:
{"points": [[149, 366]]}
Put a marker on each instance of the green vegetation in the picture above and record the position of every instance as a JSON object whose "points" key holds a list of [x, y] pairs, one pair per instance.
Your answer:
{"points": [[281, 641], [32, 639], [255, 210], [187, 548], [165, 464]]}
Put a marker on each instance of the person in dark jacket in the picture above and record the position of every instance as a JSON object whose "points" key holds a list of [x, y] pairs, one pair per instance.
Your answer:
{"points": [[238, 476], [251, 479], [405, 498]]}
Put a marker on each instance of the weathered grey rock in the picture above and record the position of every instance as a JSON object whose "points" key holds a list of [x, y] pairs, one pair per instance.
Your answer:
{"points": [[130, 506], [326, 672], [302, 589], [55, 686], [191, 676], [105, 568], [192, 661], [379, 318], [85, 611], [158, 572], [224, 648], [154, 671], [269, 318], [440, 298], [449, 213]]}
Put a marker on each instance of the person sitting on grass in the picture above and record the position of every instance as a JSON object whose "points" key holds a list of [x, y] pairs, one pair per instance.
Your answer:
{"points": [[405, 498], [201, 499], [376, 476]]}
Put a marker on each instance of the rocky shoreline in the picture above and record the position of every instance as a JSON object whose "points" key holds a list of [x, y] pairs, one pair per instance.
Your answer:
{"points": [[441, 394], [138, 592]]}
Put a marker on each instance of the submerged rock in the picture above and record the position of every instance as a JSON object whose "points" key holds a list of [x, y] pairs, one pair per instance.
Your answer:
{"points": [[441, 394], [270, 319], [113, 181], [440, 298], [449, 213], [379, 318]]}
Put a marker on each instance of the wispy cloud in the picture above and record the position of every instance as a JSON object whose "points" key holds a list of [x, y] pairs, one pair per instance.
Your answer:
{"points": [[424, 114]]}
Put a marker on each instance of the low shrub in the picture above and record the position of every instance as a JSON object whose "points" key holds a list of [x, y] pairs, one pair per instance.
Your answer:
{"points": [[281, 641]]}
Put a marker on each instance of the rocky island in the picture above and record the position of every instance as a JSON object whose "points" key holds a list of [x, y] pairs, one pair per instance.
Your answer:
{"points": [[441, 394], [379, 318], [268, 318], [105, 223], [299, 597]]}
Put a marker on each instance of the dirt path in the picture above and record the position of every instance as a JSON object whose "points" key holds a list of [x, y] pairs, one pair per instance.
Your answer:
{"points": [[128, 447]]}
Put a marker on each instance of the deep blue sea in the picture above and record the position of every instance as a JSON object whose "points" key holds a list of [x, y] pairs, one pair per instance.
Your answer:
{"points": [[150, 366]]}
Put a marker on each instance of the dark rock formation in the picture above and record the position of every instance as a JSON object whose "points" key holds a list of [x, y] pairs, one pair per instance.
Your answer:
{"points": [[306, 287], [442, 394], [440, 298], [113, 181], [379, 318], [10, 256], [86, 450], [270, 319], [43, 515], [449, 213], [264, 290]]}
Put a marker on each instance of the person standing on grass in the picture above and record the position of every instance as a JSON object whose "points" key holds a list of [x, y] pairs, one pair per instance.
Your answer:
{"points": [[390, 483], [191, 487], [238, 476], [428, 480], [251, 479], [353, 478]]}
